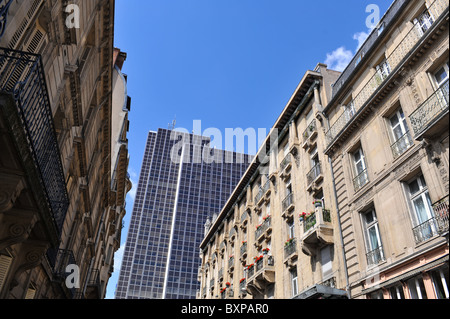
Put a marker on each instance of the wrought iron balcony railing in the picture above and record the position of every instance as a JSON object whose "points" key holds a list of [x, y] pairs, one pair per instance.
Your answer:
{"points": [[263, 227], [287, 201], [440, 209], [310, 130], [285, 162], [262, 190], [313, 173], [360, 180], [290, 248], [22, 75], [425, 231], [375, 256], [401, 145], [435, 106], [412, 37]]}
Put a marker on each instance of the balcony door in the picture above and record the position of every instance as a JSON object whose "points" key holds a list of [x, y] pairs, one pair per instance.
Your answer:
{"points": [[423, 216], [400, 132], [441, 78]]}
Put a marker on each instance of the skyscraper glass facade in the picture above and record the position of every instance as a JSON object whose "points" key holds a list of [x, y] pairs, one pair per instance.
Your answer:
{"points": [[173, 200]]}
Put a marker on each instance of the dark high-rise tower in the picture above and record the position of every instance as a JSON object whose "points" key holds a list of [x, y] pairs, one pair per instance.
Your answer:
{"points": [[173, 200]]}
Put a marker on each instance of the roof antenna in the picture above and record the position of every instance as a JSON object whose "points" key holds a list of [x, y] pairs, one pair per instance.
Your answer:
{"points": [[174, 122]]}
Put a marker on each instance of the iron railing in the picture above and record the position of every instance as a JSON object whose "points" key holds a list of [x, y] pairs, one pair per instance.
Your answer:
{"points": [[313, 173], [401, 145], [290, 248], [375, 256], [22, 75], [310, 222], [425, 231], [263, 227], [244, 248], [287, 201], [440, 209], [310, 130], [360, 180], [412, 37], [285, 162], [262, 190], [431, 109]]}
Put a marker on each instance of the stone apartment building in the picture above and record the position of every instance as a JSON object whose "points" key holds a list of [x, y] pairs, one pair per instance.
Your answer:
{"points": [[62, 165], [261, 245], [374, 141], [388, 144]]}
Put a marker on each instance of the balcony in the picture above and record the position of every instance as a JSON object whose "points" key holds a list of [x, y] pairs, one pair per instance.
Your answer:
{"points": [[440, 209], [309, 135], [285, 166], [287, 205], [314, 177], [431, 117], [360, 180], [317, 231], [402, 145], [290, 252], [22, 76], [378, 82], [263, 191], [375, 256], [261, 274], [264, 230]]}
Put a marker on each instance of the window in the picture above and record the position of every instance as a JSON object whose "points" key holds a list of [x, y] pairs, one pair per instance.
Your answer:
{"points": [[294, 281], [417, 288], [440, 280], [396, 292], [349, 110], [423, 22], [422, 212], [383, 70], [360, 168], [291, 231], [325, 259], [441, 81], [399, 133], [372, 236]]}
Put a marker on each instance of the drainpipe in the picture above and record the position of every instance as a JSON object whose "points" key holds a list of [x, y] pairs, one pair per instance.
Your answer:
{"points": [[340, 229], [338, 214]]}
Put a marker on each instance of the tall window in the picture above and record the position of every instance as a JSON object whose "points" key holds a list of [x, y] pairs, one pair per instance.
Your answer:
{"points": [[359, 164], [294, 281], [422, 212], [396, 292], [417, 288], [291, 231], [383, 70], [400, 133], [372, 236], [440, 279], [423, 22], [441, 77]]}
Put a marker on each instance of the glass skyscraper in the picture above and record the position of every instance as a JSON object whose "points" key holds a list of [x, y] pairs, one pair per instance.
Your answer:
{"points": [[173, 200]]}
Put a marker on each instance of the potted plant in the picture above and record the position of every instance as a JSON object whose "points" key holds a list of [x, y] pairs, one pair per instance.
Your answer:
{"points": [[266, 251], [227, 284], [317, 203], [302, 216], [242, 280]]}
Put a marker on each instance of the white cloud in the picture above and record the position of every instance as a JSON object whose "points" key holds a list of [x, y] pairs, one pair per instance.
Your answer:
{"points": [[339, 59], [134, 181], [112, 282], [360, 37]]}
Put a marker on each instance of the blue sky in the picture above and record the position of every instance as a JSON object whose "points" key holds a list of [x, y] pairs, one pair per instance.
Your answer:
{"points": [[229, 63]]}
